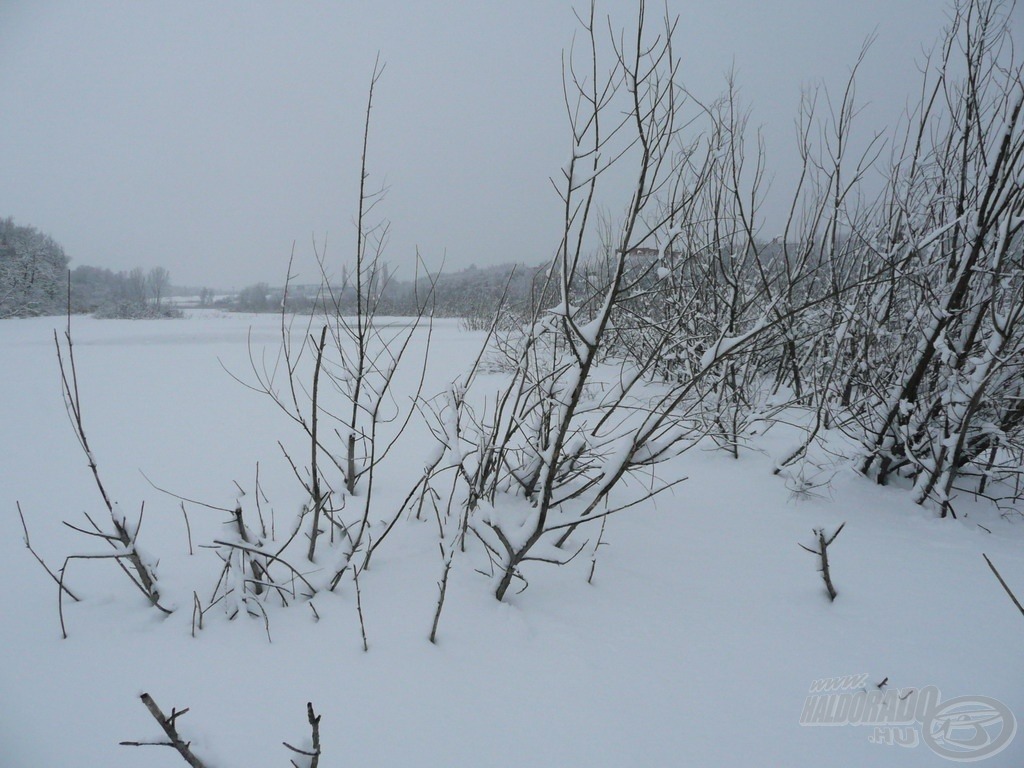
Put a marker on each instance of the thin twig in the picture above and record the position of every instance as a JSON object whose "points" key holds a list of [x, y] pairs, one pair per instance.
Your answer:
{"points": [[1005, 585], [188, 528], [28, 544]]}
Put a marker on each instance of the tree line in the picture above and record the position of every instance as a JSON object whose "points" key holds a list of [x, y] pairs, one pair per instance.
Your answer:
{"points": [[473, 294], [34, 280], [34, 273]]}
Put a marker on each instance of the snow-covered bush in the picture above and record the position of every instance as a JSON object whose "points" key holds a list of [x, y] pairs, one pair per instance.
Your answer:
{"points": [[937, 351], [33, 272]]}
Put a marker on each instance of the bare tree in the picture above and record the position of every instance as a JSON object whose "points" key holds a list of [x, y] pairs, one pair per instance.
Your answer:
{"points": [[943, 398], [546, 455], [121, 533], [157, 281], [135, 286]]}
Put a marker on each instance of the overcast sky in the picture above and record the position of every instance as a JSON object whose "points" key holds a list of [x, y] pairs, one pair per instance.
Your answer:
{"points": [[206, 137]]}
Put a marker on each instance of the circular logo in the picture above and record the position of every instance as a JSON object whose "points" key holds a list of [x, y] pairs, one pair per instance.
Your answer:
{"points": [[969, 728]]}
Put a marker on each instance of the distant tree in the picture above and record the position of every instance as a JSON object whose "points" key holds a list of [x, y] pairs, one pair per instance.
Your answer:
{"points": [[158, 281], [205, 297], [92, 287], [33, 270], [254, 298], [120, 294], [136, 286]]}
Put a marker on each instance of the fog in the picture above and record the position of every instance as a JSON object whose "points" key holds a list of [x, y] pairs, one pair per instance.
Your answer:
{"points": [[207, 138]]}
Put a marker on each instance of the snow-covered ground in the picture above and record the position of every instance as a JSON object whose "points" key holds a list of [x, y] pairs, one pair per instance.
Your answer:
{"points": [[696, 644]]}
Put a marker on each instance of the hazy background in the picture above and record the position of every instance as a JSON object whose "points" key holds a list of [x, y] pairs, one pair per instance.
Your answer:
{"points": [[206, 137]]}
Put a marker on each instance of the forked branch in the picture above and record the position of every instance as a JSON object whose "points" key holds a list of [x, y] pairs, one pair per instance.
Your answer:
{"points": [[822, 552], [168, 724]]}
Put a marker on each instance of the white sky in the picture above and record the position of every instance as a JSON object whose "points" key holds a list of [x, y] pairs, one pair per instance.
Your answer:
{"points": [[206, 137]]}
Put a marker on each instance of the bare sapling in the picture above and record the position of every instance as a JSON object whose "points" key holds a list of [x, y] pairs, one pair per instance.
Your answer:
{"points": [[539, 459], [334, 376], [121, 534]]}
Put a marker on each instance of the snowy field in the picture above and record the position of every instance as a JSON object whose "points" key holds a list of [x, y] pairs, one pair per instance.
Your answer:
{"points": [[696, 643]]}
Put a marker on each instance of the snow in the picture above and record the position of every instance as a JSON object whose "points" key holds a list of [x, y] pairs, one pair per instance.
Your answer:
{"points": [[670, 236], [563, 309], [726, 344], [697, 642], [588, 332]]}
